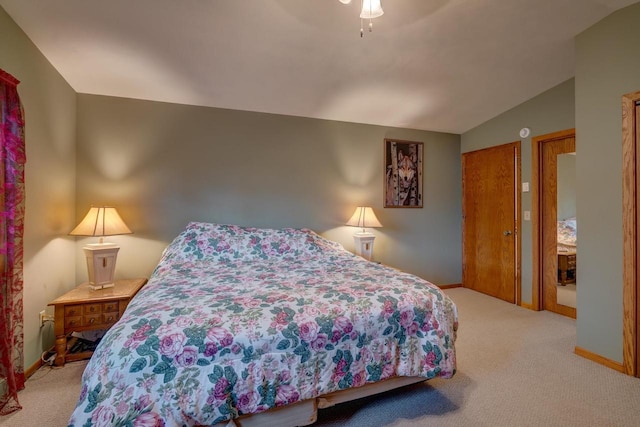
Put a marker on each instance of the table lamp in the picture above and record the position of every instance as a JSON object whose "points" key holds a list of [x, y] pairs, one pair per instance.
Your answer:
{"points": [[101, 257], [364, 217]]}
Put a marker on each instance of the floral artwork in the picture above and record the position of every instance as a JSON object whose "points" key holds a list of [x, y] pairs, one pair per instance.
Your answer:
{"points": [[239, 320]]}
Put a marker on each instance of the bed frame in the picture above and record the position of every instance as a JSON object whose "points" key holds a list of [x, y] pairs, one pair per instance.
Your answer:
{"points": [[306, 412]]}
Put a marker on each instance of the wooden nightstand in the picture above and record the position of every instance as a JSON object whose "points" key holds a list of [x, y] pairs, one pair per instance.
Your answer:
{"points": [[566, 268], [83, 309]]}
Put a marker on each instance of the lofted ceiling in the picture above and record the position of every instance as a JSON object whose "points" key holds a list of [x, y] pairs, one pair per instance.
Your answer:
{"points": [[442, 65]]}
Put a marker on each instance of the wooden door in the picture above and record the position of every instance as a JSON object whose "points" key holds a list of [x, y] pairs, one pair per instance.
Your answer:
{"points": [[636, 314], [490, 224], [631, 233], [549, 220]]}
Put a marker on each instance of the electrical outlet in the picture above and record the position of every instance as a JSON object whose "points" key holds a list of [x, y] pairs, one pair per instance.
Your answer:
{"points": [[44, 317]]}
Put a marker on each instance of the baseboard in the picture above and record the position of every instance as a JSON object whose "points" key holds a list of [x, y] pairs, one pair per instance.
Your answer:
{"points": [[32, 369], [526, 305], [451, 286], [599, 359], [39, 363]]}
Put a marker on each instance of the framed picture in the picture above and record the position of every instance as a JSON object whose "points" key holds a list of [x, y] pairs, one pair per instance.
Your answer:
{"points": [[403, 174]]}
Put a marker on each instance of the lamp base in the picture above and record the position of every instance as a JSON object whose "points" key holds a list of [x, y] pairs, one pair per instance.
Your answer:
{"points": [[99, 287], [101, 264], [364, 244]]}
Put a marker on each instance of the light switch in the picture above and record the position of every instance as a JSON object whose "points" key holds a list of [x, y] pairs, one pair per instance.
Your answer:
{"points": [[527, 215], [525, 187]]}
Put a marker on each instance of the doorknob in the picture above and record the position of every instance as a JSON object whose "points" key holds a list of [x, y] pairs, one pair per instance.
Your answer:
{"points": [[507, 233]]}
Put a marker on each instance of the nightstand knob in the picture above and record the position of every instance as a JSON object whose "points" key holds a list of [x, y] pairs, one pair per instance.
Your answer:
{"points": [[72, 312], [72, 322], [92, 309], [92, 321], [110, 319]]}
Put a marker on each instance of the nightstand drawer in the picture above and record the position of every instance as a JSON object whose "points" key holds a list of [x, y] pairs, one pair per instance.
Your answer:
{"points": [[72, 310], [92, 319], [72, 322], [92, 308], [109, 307], [108, 318]]}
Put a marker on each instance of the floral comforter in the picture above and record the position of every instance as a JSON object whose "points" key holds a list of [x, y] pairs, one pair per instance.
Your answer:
{"points": [[238, 320]]}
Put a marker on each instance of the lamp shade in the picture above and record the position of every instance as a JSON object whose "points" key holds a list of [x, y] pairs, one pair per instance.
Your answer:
{"points": [[101, 257], [364, 217], [371, 9], [102, 221]]}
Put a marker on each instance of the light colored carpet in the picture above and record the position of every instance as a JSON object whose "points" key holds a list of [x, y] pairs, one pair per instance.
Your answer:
{"points": [[516, 367]]}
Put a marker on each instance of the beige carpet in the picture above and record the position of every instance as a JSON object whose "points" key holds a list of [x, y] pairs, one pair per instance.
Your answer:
{"points": [[516, 367]]}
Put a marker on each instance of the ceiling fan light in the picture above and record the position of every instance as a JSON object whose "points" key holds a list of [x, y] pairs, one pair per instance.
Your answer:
{"points": [[371, 9]]}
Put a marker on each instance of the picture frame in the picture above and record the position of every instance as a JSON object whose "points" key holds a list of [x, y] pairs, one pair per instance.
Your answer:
{"points": [[403, 173]]}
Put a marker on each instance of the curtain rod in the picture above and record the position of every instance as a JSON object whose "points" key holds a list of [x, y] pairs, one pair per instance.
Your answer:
{"points": [[8, 78]]}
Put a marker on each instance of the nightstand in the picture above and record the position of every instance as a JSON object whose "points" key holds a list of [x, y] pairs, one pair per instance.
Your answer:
{"points": [[83, 309], [566, 268]]}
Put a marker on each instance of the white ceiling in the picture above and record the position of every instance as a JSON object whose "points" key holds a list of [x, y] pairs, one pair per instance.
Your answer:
{"points": [[442, 65]]}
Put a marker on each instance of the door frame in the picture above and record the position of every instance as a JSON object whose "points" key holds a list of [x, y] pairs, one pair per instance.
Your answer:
{"points": [[536, 211], [630, 210], [516, 145]]}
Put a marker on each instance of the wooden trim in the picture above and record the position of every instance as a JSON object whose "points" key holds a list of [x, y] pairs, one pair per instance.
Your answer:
{"points": [[518, 221], [536, 211], [630, 292], [526, 305], [33, 368], [464, 216], [535, 225], [37, 365], [599, 359], [451, 286], [536, 235]]}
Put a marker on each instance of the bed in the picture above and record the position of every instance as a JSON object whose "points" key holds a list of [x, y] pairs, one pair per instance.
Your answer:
{"points": [[567, 235], [239, 323], [567, 257]]}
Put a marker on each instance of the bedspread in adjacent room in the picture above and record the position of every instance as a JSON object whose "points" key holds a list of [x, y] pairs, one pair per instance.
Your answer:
{"points": [[239, 320], [567, 235]]}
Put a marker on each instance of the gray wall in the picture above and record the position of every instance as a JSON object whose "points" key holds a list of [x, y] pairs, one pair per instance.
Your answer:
{"points": [[607, 64], [566, 186], [164, 165], [50, 111], [548, 112], [607, 67]]}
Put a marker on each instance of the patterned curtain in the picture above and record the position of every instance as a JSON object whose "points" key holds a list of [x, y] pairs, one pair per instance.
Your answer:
{"points": [[12, 159]]}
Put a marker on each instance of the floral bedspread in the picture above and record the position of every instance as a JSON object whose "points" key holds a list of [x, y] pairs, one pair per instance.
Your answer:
{"points": [[238, 320]]}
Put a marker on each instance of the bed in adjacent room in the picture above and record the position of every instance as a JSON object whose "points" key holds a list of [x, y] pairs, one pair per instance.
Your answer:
{"points": [[242, 323]]}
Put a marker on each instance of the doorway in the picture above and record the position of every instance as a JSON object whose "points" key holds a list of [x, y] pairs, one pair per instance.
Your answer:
{"points": [[490, 207], [554, 261], [630, 233]]}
